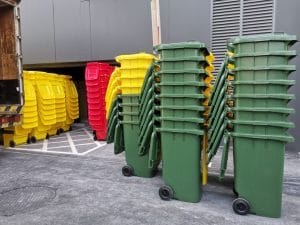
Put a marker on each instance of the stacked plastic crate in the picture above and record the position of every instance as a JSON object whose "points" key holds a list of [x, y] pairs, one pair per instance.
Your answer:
{"points": [[51, 106], [60, 104], [113, 107], [72, 104], [183, 101], [96, 79], [133, 70], [21, 134], [260, 120]]}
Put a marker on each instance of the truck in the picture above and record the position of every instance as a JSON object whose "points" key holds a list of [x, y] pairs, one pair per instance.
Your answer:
{"points": [[11, 82]]}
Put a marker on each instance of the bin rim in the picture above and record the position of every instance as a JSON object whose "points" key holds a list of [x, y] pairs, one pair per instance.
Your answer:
{"points": [[200, 59], [182, 71], [291, 39], [181, 131], [281, 138], [261, 109], [188, 83], [262, 82], [181, 119], [289, 68], [182, 45], [262, 123], [263, 96], [289, 53]]}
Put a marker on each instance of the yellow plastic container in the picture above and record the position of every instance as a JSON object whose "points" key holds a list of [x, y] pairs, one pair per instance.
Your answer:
{"points": [[210, 58], [139, 60], [11, 140]]}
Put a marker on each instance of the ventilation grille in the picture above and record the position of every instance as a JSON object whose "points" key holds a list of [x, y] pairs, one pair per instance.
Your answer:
{"points": [[225, 25], [257, 16], [231, 18]]}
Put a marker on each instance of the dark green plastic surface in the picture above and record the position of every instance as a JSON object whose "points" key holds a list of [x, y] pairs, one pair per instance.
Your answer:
{"points": [[258, 171], [138, 163], [262, 100], [196, 62], [262, 87], [262, 114], [181, 164], [181, 75], [183, 49], [263, 72]]}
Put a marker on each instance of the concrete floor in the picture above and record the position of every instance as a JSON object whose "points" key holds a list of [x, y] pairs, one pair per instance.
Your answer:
{"points": [[44, 189]]}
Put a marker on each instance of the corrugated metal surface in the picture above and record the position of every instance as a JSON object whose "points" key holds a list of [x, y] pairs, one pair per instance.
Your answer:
{"points": [[257, 16], [225, 24], [232, 18]]}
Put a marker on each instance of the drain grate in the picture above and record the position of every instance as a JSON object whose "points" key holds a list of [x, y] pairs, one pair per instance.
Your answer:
{"points": [[25, 199]]}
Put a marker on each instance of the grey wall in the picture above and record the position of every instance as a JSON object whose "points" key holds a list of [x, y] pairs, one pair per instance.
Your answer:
{"points": [[287, 20], [185, 20], [57, 31]]}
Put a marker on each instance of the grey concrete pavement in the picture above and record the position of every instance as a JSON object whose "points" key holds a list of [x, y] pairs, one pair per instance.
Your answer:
{"points": [[46, 189]]}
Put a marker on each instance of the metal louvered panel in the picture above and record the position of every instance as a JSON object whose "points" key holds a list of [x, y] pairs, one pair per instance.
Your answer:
{"points": [[225, 24], [231, 18], [257, 16]]}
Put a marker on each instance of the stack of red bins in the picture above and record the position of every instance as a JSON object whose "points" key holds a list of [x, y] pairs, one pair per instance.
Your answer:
{"points": [[96, 80]]}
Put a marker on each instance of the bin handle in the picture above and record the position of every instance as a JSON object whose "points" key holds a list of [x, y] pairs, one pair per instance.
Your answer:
{"points": [[153, 150], [224, 160]]}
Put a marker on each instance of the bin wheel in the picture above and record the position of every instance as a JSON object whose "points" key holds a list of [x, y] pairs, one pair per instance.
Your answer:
{"points": [[61, 130], [57, 132], [70, 128], [241, 206], [94, 132], [127, 171], [166, 193], [95, 138], [12, 144], [47, 136], [28, 141], [33, 139]]}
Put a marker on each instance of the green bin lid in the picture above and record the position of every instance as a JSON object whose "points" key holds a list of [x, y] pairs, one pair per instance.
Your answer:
{"points": [[181, 45], [265, 37]]}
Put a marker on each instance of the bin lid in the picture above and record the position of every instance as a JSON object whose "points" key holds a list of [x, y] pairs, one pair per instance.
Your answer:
{"points": [[265, 37], [182, 45]]}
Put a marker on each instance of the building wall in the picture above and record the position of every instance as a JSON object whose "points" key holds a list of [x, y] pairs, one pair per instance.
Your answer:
{"points": [[287, 20], [56, 31]]}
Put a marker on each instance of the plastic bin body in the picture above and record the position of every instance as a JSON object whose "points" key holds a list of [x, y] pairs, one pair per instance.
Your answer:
{"points": [[138, 163], [258, 173], [181, 165]]}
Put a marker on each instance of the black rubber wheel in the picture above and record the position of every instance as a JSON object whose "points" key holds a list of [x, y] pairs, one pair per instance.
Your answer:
{"points": [[57, 132], [28, 141], [95, 138], [165, 193], [70, 129], [12, 144], [241, 206], [61, 130], [33, 139], [47, 136], [127, 171], [94, 132]]}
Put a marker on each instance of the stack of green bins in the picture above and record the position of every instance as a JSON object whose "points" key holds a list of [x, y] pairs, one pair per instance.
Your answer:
{"points": [[183, 71], [260, 120], [149, 114], [134, 67], [218, 109]]}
